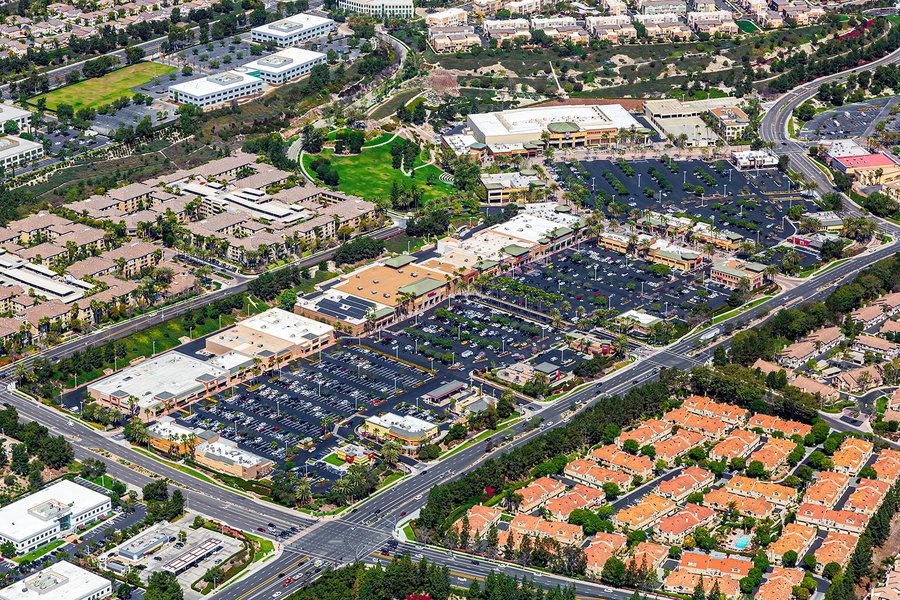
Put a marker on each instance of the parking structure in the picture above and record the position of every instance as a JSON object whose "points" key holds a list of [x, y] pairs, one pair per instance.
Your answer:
{"points": [[750, 203]]}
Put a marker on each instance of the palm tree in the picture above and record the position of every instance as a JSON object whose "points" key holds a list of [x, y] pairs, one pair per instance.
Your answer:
{"points": [[304, 490], [390, 453]]}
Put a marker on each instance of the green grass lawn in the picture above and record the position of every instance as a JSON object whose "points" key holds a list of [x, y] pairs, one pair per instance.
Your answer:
{"points": [[392, 105], [398, 243], [43, 550], [103, 90], [263, 547], [747, 26], [332, 459], [370, 175]]}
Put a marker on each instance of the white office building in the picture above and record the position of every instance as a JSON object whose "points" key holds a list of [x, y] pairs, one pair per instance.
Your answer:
{"points": [[397, 9], [15, 151], [19, 116], [293, 30], [214, 90], [62, 581], [285, 65], [51, 513]]}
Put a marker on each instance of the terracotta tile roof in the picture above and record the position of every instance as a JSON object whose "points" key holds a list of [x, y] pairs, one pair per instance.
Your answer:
{"points": [[540, 490], [794, 536], [653, 554], [685, 520], [866, 498], [769, 423], [837, 547], [738, 443], [710, 426], [887, 465], [602, 546], [852, 454], [754, 488], [595, 474], [690, 480], [645, 433], [679, 444], [700, 563], [682, 581], [617, 459], [721, 499], [827, 489], [779, 584]]}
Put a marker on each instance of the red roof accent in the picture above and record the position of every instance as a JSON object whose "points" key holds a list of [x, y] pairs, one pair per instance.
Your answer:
{"points": [[866, 161]]}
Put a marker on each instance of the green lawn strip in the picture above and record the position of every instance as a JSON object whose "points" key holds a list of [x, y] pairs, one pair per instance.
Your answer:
{"points": [[104, 481], [43, 550], [99, 91], [740, 309], [819, 270], [747, 26], [390, 107], [332, 459], [398, 244], [264, 546], [408, 532], [391, 479], [480, 437], [189, 471], [881, 405]]}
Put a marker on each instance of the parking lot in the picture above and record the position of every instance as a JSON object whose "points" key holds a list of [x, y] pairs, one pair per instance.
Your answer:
{"points": [[848, 121], [751, 204], [583, 283]]}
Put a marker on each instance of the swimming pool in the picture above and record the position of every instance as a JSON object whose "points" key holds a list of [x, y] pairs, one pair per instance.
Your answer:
{"points": [[742, 542]]}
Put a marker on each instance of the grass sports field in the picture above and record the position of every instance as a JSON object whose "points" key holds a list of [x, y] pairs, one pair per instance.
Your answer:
{"points": [[92, 93]]}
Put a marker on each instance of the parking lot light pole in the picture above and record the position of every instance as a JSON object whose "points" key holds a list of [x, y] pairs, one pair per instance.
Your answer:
{"points": [[609, 301], [639, 180], [595, 272], [667, 309]]}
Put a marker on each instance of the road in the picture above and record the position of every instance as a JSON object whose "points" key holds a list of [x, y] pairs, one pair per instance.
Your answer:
{"points": [[774, 128], [371, 526]]}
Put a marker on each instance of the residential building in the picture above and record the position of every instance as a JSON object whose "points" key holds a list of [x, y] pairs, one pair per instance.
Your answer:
{"points": [[861, 379], [826, 489], [867, 496], [852, 456], [451, 17], [673, 529], [579, 497], [481, 518], [601, 548], [780, 495], [880, 347], [647, 432], [738, 444], [453, 39], [564, 533], [843, 521], [794, 536], [837, 547], [770, 424], [636, 466], [648, 511], [590, 473], [538, 492]]}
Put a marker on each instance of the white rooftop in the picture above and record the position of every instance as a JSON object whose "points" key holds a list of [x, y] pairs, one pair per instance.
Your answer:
{"points": [[286, 325], [528, 227], [61, 581], [13, 145], [290, 25], [639, 317], [536, 120], [227, 451], [8, 112], [29, 516], [211, 84], [283, 60], [171, 374], [405, 423]]}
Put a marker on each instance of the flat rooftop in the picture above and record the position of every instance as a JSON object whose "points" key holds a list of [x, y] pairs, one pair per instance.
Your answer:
{"points": [[165, 376], [536, 120], [211, 84], [286, 325], [38, 512], [380, 283], [12, 145], [284, 60], [62, 581], [290, 25]]}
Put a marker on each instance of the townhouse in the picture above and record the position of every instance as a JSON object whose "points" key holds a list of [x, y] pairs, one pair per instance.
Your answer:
{"points": [[887, 465], [580, 496], [826, 489], [779, 495], [773, 454], [690, 480], [678, 445], [880, 347], [860, 379], [481, 518], [592, 474], [818, 342], [648, 511], [794, 536], [564, 533], [738, 444], [648, 555], [780, 584], [539, 491], [453, 39], [706, 407], [722, 500], [601, 548], [713, 428], [852, 455], [844, 521], [648, 432], [134, 257], [617, 460], [696, 567], [867, 496], [770, 424], [673, 529], [837, 547], [869, 316]]}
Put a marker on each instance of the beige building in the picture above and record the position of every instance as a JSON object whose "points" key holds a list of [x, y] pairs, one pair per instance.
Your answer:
{"points": [[275, 337]]}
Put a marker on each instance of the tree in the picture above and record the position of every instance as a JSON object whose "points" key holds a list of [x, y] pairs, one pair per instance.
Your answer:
{"points": [[756, 469], [830, 571], [133, 54], [163, 585], [789, 559], [8, 549], [611, 489], [699, 593], [287, 299], [214, 575], [810, 563], [613, 572]]}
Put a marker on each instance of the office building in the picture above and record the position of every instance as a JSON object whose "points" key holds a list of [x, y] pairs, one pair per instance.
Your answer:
{"points": [[217, 89], [285, 65], [293, 30], [61, 581]]}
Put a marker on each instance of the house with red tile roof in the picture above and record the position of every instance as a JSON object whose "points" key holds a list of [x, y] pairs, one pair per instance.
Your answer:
{"points": [[721, 500], [684, 582], [646, 513], [773, 454], [887, 465], [770, 424], [480, 519], [690, 480], [678, 445], [673, 529], [706, 407], [777, 494], [648, 432], [852, 455], [827, 489], [617, 460], [837, 547], [580, 496], [601, 548], [794, 536], [844, 521], [706, 564], [648, 553], [779, 584], [564, 533], [737, 444], [592, 474], [867, 496], [539, 491], [711, 427]]}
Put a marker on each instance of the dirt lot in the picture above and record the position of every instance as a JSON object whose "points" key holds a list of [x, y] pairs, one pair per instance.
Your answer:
{"points": [[889, 549]]}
